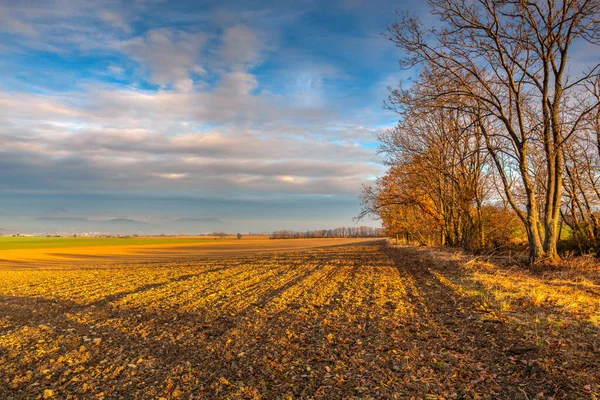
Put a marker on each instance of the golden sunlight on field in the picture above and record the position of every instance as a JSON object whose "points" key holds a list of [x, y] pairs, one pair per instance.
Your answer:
{"points": [[148, 249], [362, 320]]}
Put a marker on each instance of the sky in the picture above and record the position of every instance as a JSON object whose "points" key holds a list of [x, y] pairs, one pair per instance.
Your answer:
{"points": [[191, 116]]}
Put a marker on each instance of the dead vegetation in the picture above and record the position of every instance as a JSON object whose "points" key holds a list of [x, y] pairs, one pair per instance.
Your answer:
{"points": [[340, 322]]}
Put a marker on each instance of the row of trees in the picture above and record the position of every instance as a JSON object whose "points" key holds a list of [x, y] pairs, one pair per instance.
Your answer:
{"points": [[500, 130], [344, 232]]}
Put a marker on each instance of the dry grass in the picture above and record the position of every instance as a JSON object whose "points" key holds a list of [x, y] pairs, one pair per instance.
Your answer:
{"points": [[571, 287], [355, 321], [556, 308]]}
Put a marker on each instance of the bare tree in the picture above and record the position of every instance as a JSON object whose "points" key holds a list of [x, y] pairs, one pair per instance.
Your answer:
{"points": [[436, 175], [510, 60], [582, 180]]}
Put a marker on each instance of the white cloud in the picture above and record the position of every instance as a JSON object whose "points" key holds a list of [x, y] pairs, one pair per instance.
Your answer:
{"points": [[169, 176], [170, 55], [9, 23], [116, 70], [103, 140], [210, 127], [184, 85], [241, 47], [115, 20]]}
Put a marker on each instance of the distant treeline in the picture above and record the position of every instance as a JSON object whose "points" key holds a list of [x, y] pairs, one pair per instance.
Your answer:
{"points": [[345, 232]]}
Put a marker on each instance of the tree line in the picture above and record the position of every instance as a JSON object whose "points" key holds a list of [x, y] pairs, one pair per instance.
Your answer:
{"points": [[499, 131], [343, 232]]}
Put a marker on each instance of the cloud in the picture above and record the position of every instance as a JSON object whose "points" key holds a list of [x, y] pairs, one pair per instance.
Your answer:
{"points": [[314, 83], [101, 139], [9, 23], [237, 100], [241, 47], [116, 71], [169, 176], [169, 54], [24, 104], [115, 20]]}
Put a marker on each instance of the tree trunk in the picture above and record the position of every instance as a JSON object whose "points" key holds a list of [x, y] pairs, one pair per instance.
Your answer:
{"points": [[532, 225], [536, 250]]}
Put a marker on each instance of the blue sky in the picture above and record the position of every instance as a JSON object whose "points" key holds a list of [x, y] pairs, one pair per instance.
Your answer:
{"points": [[260, 115]]}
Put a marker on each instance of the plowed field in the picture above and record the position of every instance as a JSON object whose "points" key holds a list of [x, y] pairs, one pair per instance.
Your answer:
{"points": [[353, 321]]}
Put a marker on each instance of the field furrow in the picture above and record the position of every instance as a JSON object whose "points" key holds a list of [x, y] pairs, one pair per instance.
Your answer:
{"points": [[358, 321]]}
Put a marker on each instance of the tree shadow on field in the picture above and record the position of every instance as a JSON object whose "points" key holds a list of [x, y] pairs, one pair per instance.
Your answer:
{"points": [[509, 355], [237, 345], [315, 324], [141, 353]]}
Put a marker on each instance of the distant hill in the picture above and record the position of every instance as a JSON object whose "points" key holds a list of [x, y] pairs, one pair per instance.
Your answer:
{"points": [[109, 215], [124, 222], [62, 219], [57, 223], [7, 231], [199, 220], [55, 212], [126, 226]]}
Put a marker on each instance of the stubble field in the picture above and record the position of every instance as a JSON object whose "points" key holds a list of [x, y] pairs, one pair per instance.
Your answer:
{"points": [[359, 320]]}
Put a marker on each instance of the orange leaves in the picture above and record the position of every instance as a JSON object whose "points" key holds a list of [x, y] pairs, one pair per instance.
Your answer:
{"points": [[223, 381]]}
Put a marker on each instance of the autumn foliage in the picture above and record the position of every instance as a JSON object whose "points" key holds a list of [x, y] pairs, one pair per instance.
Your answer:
{"points": [[500, 115]]}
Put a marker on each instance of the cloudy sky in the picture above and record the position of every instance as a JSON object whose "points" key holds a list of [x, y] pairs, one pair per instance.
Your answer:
{"points": [[247, 115]]}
